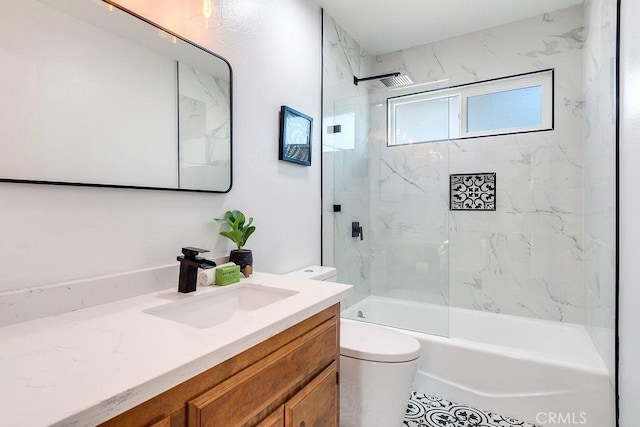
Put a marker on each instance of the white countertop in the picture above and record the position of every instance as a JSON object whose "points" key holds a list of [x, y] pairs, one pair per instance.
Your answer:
{"points": [[84, 367]]}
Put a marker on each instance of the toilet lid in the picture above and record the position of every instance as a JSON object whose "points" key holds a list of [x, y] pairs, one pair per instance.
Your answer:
{"points": [[365, 341]]}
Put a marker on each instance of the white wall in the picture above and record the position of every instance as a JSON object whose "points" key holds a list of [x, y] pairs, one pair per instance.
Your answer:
{"points": [[629, 293], [50, 234]]}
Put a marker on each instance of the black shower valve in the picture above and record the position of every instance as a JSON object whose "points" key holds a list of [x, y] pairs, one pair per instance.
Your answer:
{"points": [[356, 230]]}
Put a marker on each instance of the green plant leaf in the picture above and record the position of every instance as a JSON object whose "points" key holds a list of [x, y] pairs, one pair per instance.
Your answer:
{"points": [[248, 232], [235, 235], [234, 215], [240, 231], [228, 218]]}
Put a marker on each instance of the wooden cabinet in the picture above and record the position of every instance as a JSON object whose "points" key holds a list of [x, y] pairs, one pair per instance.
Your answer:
{"points": [[165, 422], [317, 404], [276, 419], [287, 380]]}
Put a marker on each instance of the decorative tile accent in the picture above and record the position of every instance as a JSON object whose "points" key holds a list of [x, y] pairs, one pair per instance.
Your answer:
{"points": [[472, 192], [429, 411]]}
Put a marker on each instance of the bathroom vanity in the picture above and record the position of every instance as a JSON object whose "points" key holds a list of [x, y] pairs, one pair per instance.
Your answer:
{"points": [[284, 381], [126, 363]]}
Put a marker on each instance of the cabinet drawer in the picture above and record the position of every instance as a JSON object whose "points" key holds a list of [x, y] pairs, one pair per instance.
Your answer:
{"points": [[245, 398], [316, 405]]}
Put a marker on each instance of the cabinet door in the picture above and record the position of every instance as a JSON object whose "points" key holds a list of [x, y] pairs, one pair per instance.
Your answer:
{"points": [[245, 398], [316, 405], [165, 422], [274, 420]]}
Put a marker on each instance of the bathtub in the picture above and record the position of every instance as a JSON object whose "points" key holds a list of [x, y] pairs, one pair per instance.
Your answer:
{"points": [[542, 372]]}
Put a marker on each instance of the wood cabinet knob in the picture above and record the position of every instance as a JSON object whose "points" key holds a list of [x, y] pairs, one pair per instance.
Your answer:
{"points": [[303, 424]]}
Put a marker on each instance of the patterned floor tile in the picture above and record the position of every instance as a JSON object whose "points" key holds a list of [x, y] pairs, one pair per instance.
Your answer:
{"points": [[429, 411]]}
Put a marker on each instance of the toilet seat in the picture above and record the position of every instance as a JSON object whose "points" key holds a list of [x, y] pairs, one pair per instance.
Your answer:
{"points": [[365, 341]]}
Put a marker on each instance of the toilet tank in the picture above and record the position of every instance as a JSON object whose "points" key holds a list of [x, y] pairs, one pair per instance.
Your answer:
{"points": [[315, 272]]}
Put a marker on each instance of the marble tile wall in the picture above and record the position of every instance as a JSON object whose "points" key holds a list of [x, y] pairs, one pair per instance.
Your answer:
{"points": [[552, 231], [526, 258], [346, 173], [599, 175]]}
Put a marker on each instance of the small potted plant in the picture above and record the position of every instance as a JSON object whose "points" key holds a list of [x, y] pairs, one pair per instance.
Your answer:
{"points": [[239, 233]]}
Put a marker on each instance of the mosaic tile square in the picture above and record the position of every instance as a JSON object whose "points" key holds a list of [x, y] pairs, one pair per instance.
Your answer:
{"points": [[429, 411], [472, 192]]}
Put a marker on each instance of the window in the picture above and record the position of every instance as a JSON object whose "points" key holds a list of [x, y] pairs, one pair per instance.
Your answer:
{"points": [[522, 103], [430, 119]]}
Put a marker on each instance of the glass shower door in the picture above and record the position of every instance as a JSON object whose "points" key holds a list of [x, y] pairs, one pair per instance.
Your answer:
{"points": [[391, 225]]}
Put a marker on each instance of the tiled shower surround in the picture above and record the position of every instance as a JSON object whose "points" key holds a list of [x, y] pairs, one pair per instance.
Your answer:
{"points": [[526, 257], [548, 250]]}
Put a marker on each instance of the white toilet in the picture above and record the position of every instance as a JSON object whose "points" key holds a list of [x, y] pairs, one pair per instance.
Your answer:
{"points": [[377, 367]]}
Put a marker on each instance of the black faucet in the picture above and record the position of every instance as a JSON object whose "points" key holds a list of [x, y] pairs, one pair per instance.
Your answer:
{"points": [[189, 265]]}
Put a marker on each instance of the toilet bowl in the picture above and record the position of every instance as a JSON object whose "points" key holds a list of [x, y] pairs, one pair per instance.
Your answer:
{"points": [[377, 367]]}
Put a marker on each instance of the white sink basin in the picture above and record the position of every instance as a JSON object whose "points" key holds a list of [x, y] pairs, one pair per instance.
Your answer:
{"points": [[220, 306]]}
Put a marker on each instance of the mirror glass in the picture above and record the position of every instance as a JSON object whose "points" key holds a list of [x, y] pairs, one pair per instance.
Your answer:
{"points": [[95, 95]]}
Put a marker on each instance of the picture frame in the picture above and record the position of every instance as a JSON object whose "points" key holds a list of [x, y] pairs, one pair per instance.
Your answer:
{"points": [[295, 136]]}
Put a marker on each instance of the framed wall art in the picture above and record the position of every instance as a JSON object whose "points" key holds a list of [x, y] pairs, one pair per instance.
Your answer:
{"points": [[295, 136]]}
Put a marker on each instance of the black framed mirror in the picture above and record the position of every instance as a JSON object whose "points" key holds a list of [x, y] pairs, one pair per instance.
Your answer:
{"points": [[99, 96]]}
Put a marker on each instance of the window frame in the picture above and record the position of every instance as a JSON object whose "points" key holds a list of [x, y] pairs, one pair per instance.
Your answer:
{"points": [[543, 78]]}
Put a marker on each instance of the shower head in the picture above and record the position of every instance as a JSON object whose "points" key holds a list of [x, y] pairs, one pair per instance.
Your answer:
{"points": [[389, 80], [399, 80]]}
